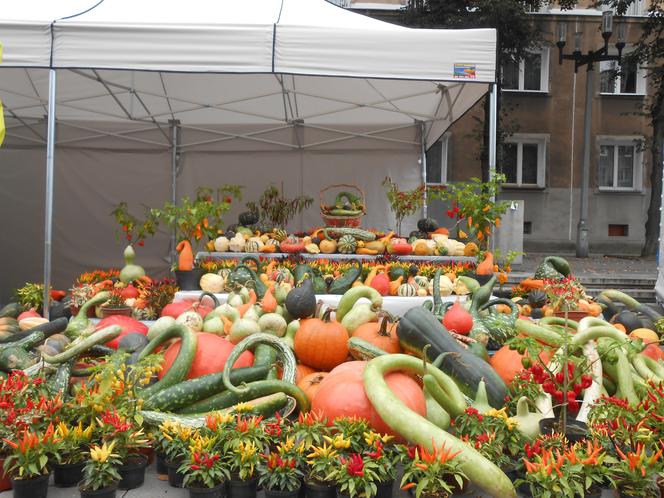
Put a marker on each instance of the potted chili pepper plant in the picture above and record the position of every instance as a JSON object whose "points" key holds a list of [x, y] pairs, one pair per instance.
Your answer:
{"points": [[318, 481], [206, 474], [244, 458], [356, 476], [71, 453], [432, 474], [100, 475], [280, 475]]}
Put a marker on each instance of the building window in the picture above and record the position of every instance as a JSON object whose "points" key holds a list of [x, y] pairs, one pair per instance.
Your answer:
{"points": [[635, 8], [620, 165], [529, 74], [437, 161], [627, 78], [523, 160]]}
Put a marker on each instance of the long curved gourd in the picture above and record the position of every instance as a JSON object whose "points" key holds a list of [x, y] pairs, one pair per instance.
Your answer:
{"points": [[81, 345], [81, 324], [180, 367], [289, 363], [351, 296], [416, 429]]}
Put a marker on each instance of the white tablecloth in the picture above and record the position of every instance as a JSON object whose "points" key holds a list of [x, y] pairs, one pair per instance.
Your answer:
{"points": [[395, 305]]}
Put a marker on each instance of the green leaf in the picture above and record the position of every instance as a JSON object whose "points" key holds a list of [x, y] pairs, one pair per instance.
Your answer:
{"points": [[43, 460]]}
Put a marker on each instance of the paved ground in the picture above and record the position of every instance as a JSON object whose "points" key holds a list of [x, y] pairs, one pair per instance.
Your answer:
{"points": [[596, 265]]}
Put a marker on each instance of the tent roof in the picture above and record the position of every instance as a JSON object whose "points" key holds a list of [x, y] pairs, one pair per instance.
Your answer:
{"points": [[260, 62]]}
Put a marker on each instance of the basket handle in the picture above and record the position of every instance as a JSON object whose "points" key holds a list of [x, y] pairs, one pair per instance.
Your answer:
{"points": [[341, 185]]}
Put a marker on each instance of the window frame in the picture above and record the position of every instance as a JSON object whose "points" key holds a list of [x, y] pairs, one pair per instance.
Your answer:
{"points": [[641, 82], [637, 165], [444, 154], [542, 141], [544, 73]]}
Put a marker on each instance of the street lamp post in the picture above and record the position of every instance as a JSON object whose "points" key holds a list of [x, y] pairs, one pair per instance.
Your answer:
{"points": [[580, 59]]}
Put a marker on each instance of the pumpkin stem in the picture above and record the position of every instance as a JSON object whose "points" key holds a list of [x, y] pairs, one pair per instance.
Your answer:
{"points": [[424, 359], [326, 315], [386, 318]]}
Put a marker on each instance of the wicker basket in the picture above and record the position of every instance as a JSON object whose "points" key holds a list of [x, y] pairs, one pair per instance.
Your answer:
{"points": [[341, 221]]}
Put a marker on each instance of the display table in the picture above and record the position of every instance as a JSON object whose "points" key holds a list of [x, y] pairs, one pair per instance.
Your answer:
{"points": [[395, 305], [443, 260]]}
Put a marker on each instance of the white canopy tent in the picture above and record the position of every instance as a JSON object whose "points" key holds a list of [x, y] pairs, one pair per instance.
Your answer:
{"points": [[219, 76]]}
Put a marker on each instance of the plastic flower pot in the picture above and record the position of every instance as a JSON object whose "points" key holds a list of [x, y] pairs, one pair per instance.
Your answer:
{"points": [[31, 488], [276, 493], [132, 472], [161, 464], [67, 475], [575, 430], [108, 492], [219, 491], [175, 478], [384, 489], [319, 490], [242, 488], [124, 311], [188, 279]]}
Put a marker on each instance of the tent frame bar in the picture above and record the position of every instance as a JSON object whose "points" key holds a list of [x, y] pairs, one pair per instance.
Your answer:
{"points": [[48, 221]]}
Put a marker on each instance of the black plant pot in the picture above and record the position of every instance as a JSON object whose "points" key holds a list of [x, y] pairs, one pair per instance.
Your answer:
{"points": [[108, 492], [67, 475], [276, 493], [482, 279], [132, 472], [219, 491], [161, 464], [238, 488], [384, 489], [575, 430], [175, 478], [319, 490], [31, 488], [189, 279]]}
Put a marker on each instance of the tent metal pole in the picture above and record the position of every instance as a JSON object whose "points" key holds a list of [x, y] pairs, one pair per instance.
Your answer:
{"points": [[175, 124], [493, 137], [48, 221], [423, 163]]}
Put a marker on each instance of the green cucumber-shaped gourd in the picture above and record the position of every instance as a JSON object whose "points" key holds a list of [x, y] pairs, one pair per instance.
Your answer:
{"points": [[352, 295], [360, 314], [266, 406], [289, 364], [265, 355], [190, 391], [356, 233], [251, 391], [12, 310], [363, 350], [342, 284], [16, 359], [28, 339], [59, 382], [345, 212], [291, 330], [82, 344], [416, 429], [81, 324], [418, 327], [180, 367]]}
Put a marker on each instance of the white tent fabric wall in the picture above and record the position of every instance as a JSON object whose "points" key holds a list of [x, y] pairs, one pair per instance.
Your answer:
{"points": [[324, 90]]}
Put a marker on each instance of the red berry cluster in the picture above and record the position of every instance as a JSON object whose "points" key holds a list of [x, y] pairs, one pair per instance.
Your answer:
{"points": [[553, 384]]}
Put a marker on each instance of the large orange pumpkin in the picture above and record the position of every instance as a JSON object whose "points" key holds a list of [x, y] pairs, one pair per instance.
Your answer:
{"points": [[341, 394], [311, 383], [382, 335], [321, 343], [507, 362], [211, 354]]}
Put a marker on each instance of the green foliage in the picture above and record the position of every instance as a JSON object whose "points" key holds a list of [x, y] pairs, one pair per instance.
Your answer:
{"points": [[274, 207], [31, 295], [403, 202]]}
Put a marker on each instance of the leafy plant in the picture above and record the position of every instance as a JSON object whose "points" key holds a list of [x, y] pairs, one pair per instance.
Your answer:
{"points": [[244, 459], [356, 476], [133, 229], [101, 471], [204, 470], [274, 207], [29, 454], [31, 295], [474, 205], [279, 473], [434, 473], [403, 202], [73, 442]]}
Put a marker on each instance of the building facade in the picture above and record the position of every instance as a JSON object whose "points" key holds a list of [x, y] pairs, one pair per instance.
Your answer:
{"points": [[543, 107]]}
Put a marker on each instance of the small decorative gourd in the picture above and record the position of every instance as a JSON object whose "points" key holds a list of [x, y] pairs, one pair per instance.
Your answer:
{"points": [[254, 244], [221, 244], [131, 271], [279, 234], [347, 244], [407, 290]]}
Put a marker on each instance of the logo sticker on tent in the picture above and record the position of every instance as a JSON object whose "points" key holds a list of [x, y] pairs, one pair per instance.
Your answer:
{"points": [[465, 71]]}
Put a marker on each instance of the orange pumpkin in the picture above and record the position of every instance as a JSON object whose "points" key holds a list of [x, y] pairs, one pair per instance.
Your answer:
{"points": [[341, 394], [301, 371], [311, 383], [383, 335], [507, 362], [321, 343]]}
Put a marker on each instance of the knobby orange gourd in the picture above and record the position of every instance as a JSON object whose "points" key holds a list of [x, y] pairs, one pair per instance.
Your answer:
{"points": [[268, 303], [186, 257], [486, 266]]}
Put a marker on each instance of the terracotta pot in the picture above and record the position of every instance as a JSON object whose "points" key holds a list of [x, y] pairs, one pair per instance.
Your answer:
{"points": [[572, 315], [124, 311], [5, 481]]}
